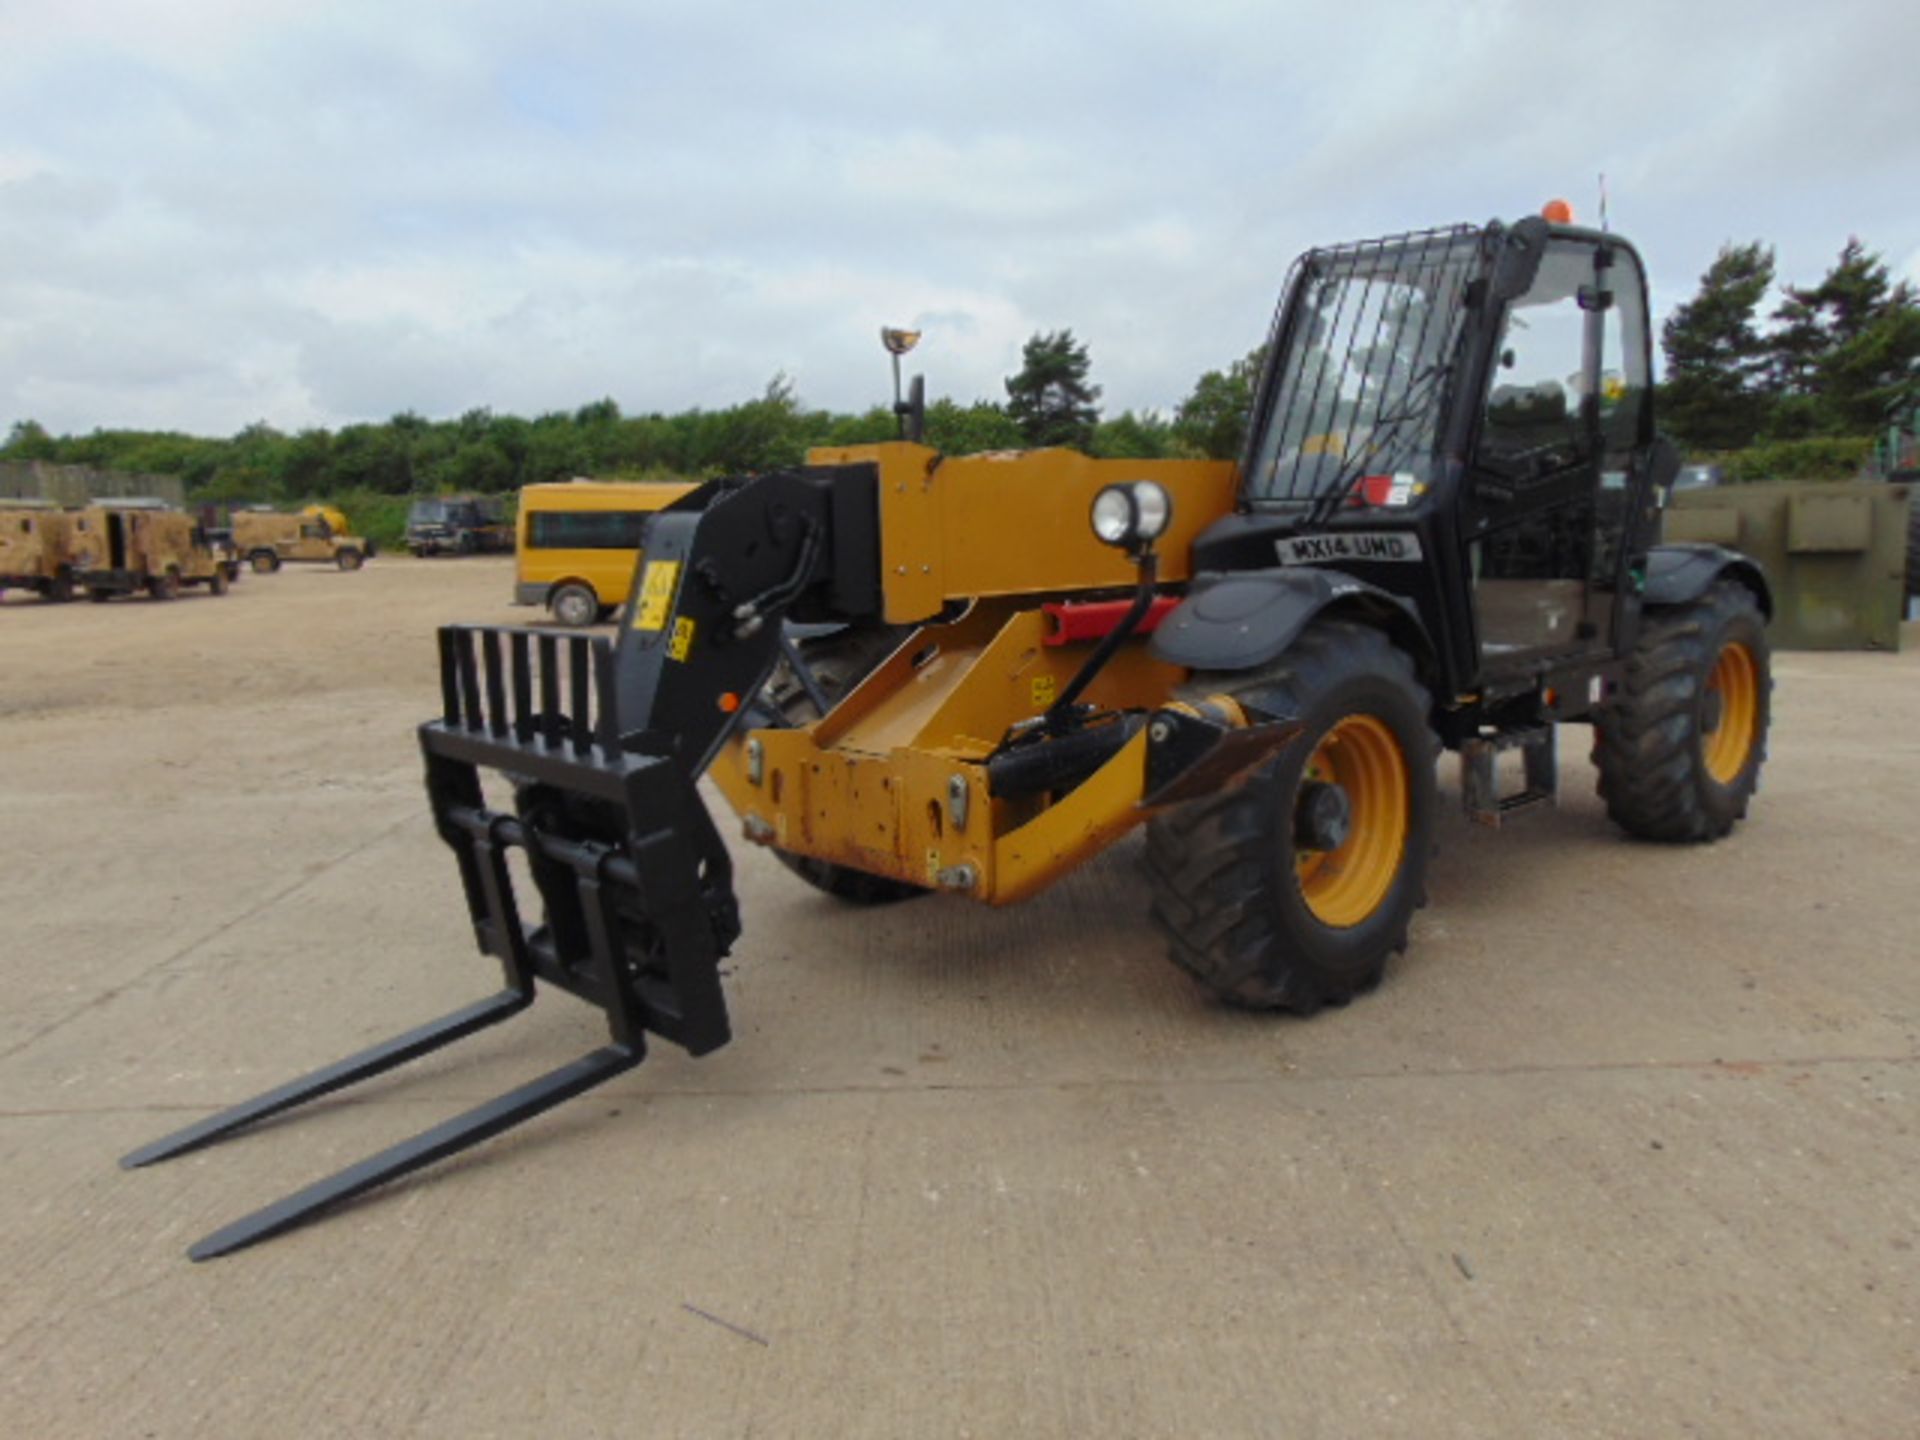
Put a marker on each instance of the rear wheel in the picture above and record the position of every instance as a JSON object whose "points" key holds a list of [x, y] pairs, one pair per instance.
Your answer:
{"points": [[59, 589], [348, 559], [1290, 892], [1680, 745], [574, 605], [165, 585], [217, 582], [836, 663], [264, 562]]}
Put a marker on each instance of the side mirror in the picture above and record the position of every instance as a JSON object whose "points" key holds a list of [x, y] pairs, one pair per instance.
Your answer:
{"points": [[1663, 468], [1521, 249]]}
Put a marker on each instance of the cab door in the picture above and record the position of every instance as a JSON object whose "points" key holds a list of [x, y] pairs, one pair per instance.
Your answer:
{"points": [[1561, 424], [315, 541]]}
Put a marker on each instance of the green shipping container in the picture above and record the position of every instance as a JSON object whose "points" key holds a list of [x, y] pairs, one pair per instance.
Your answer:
{"points": [[1835, 553]]}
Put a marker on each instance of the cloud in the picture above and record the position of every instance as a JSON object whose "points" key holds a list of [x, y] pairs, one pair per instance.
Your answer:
{"points": [[223, 211]]}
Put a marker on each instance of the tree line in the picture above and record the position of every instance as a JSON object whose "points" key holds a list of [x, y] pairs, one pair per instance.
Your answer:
{"points": [[1050, 401], [1807, 384]]}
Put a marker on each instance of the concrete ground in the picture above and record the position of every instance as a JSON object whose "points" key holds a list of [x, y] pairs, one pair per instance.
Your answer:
{"points": [[1626, 1145]]}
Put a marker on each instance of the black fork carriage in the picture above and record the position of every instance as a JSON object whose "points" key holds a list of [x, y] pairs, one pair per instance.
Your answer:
{"points": [[634, 880]]}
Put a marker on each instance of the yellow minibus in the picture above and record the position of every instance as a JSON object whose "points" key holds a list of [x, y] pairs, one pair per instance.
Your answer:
{"points": [[577, 543]]}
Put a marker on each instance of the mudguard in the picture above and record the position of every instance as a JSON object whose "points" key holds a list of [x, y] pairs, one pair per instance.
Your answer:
{"points": [[1248, 618], [1677, 574]]}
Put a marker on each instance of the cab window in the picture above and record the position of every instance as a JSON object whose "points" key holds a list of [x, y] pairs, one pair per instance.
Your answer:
{"points": [[1624, 381], [1532, 424]]}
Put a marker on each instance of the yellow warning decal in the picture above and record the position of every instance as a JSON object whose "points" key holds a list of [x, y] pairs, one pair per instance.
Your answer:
{"points": [[657, 589], [682, 641], [1042, 691]]}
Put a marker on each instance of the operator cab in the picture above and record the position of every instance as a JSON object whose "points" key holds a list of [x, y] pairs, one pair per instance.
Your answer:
{"points": [[1460, 418]]}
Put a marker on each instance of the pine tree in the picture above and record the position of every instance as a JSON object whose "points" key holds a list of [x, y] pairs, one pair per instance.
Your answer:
{"points": [[1050, 399], [1717, 389], [1845, 349]]}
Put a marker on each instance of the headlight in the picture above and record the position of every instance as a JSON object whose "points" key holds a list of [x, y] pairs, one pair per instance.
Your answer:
{"points": [[1113, 515], [1132, 515]]}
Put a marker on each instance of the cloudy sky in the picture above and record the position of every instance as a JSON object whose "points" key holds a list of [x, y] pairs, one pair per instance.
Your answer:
{"points": [[214, 212]]}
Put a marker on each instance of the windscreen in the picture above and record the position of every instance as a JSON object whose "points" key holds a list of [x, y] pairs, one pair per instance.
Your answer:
{"points": [[428, 512], [1363, 353]]}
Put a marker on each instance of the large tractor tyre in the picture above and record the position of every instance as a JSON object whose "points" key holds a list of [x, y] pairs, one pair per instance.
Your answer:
{"points": [[349, 559], [1679, 746], [165, 585], [575, 606], [1290, 892], [837, 663], [264, 562]]}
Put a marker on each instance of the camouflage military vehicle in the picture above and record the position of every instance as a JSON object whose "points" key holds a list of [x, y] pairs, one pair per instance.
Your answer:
{"points": [[121, 550], [268, 539], [33, 549]]}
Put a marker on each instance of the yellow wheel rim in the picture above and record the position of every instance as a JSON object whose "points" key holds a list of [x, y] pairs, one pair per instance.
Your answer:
{"points": [[1729, 744], [1343, 886]]}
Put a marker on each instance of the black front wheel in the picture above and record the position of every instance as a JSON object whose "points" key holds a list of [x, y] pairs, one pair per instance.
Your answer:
{"points": [[1290, 892]]}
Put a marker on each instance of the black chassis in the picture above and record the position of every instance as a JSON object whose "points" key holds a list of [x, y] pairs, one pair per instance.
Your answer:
{"points": [[1243, 611], [121, 582]]}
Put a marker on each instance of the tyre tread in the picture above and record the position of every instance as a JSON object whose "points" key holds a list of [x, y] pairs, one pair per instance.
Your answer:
{"points": [[1646, 744], [1213, 862]]}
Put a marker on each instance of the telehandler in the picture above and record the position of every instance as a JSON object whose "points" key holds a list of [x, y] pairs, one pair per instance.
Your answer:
{"points": [[1439, 537]]}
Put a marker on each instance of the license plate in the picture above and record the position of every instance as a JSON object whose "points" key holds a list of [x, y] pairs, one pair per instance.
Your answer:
{"points": [[1350, 546]]}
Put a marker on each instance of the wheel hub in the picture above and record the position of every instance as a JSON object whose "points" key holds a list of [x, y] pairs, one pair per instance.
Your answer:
{"points": [[1322, 816], [1730, 713], [1712, 709]]}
